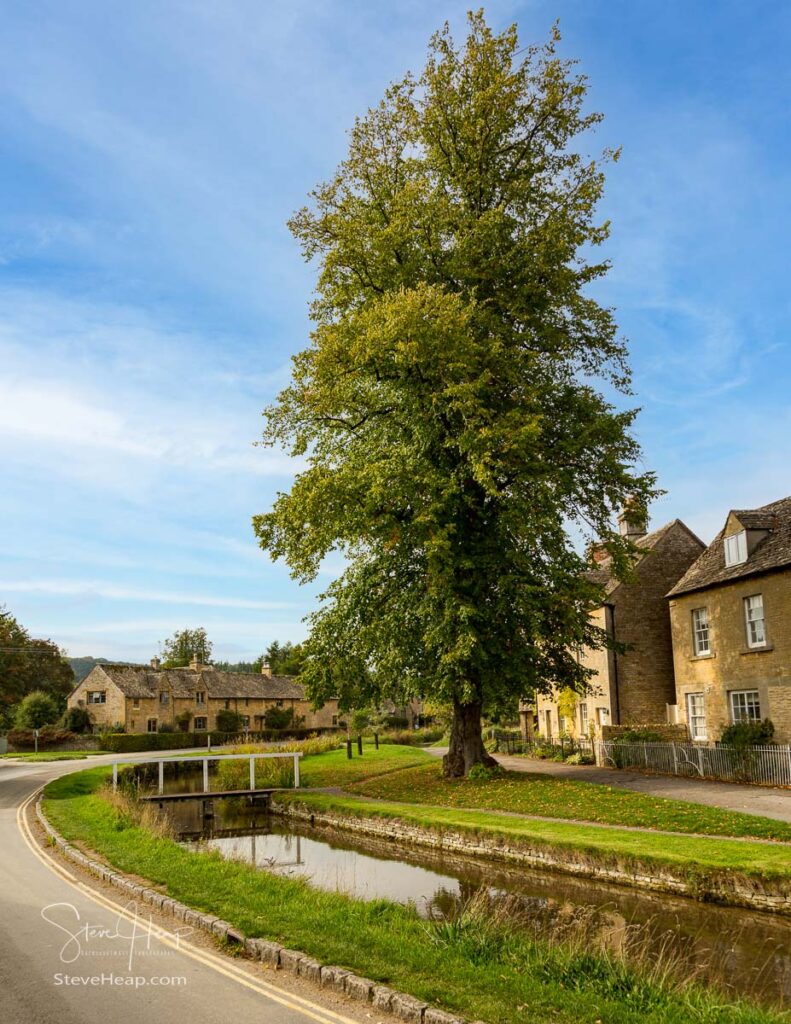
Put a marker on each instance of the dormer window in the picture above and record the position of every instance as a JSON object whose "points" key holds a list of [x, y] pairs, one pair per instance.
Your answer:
{"points": [[736, 549]]}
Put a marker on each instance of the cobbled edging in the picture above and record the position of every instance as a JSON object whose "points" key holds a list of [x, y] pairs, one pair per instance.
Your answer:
{"points": [[275, 956]]}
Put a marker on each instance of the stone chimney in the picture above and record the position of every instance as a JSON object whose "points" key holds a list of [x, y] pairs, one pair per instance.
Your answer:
{"points": [[633, 521], [597, 553], [155, 663], [266, 670], [196, 664]]}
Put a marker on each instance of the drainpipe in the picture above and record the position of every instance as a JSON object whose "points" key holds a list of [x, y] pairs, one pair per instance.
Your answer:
{"points": [[611, 608]]}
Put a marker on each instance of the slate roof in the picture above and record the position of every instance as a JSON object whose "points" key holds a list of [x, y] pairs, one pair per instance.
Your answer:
{"points": [[601, 574], [143, 681], [771, 553]]}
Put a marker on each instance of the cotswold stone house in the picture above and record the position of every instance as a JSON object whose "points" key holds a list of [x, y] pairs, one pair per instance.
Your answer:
{"points": [[731, 621], [142, 699], [634, 688]]}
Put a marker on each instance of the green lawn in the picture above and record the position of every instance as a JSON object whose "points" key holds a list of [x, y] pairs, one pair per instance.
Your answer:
{"points": [[53, 755], [335, 769], [475, 972], [694, 856], [523, 793]]}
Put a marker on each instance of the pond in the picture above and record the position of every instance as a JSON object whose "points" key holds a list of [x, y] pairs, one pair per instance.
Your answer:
{"points": [[747, 952]]}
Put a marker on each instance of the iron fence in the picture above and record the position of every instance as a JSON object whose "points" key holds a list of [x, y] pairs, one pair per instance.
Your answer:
{"points": [[766, 765]]}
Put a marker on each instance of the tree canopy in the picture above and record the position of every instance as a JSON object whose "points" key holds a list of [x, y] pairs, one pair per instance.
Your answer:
{"points": [[185, 645], [27, 664], [451, 405]]}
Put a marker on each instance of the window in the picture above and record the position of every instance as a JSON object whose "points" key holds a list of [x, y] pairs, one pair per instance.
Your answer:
{"points": [[97, 696], [736, 549], [247, 702], [136, 704], [164, 697], [754, 618], [701, 639], [745, 706], [584, 719], [245, 721], [132, 724], [334, 719], [200, 697], [227, 705], [603, 716], [152, 725], [696, 716], [278, 703], [200, 723]]}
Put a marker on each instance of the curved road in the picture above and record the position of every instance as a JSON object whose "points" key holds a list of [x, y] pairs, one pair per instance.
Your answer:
{"points": [[71, 951]]}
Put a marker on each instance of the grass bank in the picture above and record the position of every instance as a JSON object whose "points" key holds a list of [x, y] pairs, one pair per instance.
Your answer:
{"points": [[693, 856], [523, 793], [475, 968], [53, 755]]}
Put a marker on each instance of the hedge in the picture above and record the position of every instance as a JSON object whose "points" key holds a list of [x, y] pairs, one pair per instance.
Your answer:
{"points": [[129, 743]]}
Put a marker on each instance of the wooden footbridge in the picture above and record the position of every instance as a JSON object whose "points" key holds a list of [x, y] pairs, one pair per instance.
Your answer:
{"points": [[253, 794]]}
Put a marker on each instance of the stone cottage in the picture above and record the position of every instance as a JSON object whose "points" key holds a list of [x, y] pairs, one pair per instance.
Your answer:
{"points": [[636, 687], [144, 698], [731, 622]]}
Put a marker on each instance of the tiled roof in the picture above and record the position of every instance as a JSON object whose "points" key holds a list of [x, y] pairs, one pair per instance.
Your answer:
{"points": [[601, 574], [771, 553], [134, 681]]}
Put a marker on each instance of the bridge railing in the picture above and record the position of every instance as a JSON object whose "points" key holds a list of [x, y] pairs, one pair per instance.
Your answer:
{"points": [[252, 758]]}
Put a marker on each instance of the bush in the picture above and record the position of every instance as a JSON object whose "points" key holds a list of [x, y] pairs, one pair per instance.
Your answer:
{"points": [[412, 737], [748, 734], [229, 721], [279, 718], [130, 743], [49, 736], [480, 773], [36, 710], [77, 720]]}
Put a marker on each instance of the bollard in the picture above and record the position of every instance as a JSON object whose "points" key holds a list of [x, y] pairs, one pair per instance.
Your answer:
{"points": [[360, 745], [349, 749], [376, 740]]}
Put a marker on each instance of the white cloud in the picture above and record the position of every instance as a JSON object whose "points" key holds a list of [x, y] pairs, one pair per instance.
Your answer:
{"points": [[84, 588]]}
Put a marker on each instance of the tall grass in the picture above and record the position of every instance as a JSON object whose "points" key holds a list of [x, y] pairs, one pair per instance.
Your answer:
{"points": [[275, 772]]}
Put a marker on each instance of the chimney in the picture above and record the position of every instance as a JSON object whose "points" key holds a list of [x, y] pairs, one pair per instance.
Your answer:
{"points": [[196, 664], [597, 553], [632, 522], [266, 670], [155, 663]]}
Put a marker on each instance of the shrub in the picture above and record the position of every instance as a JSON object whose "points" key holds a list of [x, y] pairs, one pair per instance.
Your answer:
{"points": [[24, 739], [748, 734], [640, 736], [77, 719], [229, 721], [480, 773], [166, 727], [35, 710], [412, 737], [279, 718]]}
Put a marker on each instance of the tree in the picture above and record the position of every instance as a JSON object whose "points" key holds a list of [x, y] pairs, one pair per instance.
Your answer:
{"points": [[184, 646], [35, 710], [284, 659], [27, 664], [450, 405], [77, 719]]}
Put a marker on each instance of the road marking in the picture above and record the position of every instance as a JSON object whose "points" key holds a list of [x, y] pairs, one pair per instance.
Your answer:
{"points": [[217, 964]]}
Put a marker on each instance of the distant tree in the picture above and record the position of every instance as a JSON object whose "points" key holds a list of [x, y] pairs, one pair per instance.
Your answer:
{"points": [[28, 664], [454, 407], [36, 710], [284, 659], [185, 645], [81, 667]]}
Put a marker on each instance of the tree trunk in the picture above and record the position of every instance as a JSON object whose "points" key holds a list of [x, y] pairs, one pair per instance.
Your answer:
{"points": [[466, 744]]}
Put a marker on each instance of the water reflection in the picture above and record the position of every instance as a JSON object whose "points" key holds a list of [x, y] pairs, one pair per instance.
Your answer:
{"points": [[746, 951]]}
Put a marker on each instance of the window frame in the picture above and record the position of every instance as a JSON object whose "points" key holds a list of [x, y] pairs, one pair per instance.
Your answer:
{"points": [[699, 630], [101, 694], [748, 704], [201, 728], [200, 697], [735, 549], [148, 725], [164, 699], [749, 623], [692, 718], [584, 718]]}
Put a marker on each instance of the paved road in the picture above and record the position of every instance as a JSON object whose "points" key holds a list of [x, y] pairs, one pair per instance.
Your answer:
{"points": [[44, 909], [762, 800]]}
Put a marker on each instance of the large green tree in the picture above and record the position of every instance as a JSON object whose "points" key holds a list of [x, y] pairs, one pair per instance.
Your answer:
{"points": [[28, 664], [451, 404], [185, 645]]}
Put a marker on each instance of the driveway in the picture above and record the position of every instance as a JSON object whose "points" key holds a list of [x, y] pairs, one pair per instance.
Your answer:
{"points": [[761, 800]]}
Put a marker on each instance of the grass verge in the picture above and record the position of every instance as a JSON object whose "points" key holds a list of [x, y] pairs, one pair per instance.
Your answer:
{"points": [[522, 793], [53, 755], [689, 855], [476, 971]]}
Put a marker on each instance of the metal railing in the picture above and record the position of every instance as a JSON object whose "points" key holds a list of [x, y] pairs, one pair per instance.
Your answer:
{"points": [[162, 761], [765, 765]]}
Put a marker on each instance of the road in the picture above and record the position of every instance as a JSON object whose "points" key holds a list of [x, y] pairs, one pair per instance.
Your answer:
{"points": [[58, 926]]}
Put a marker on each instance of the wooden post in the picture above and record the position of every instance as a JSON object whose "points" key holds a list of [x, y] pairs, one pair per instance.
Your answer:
{"points": [[252, 771], [115, 775], [349, 749], [205, 775], [208, 741], [296, 771], [161, 789], [360, 745], [376, 740]]}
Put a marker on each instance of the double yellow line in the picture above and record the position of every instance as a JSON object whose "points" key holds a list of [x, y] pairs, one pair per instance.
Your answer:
{"points": [[218, 964]]}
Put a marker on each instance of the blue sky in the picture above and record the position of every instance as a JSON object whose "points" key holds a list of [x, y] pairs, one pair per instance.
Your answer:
{"points": [[151, 296]]}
